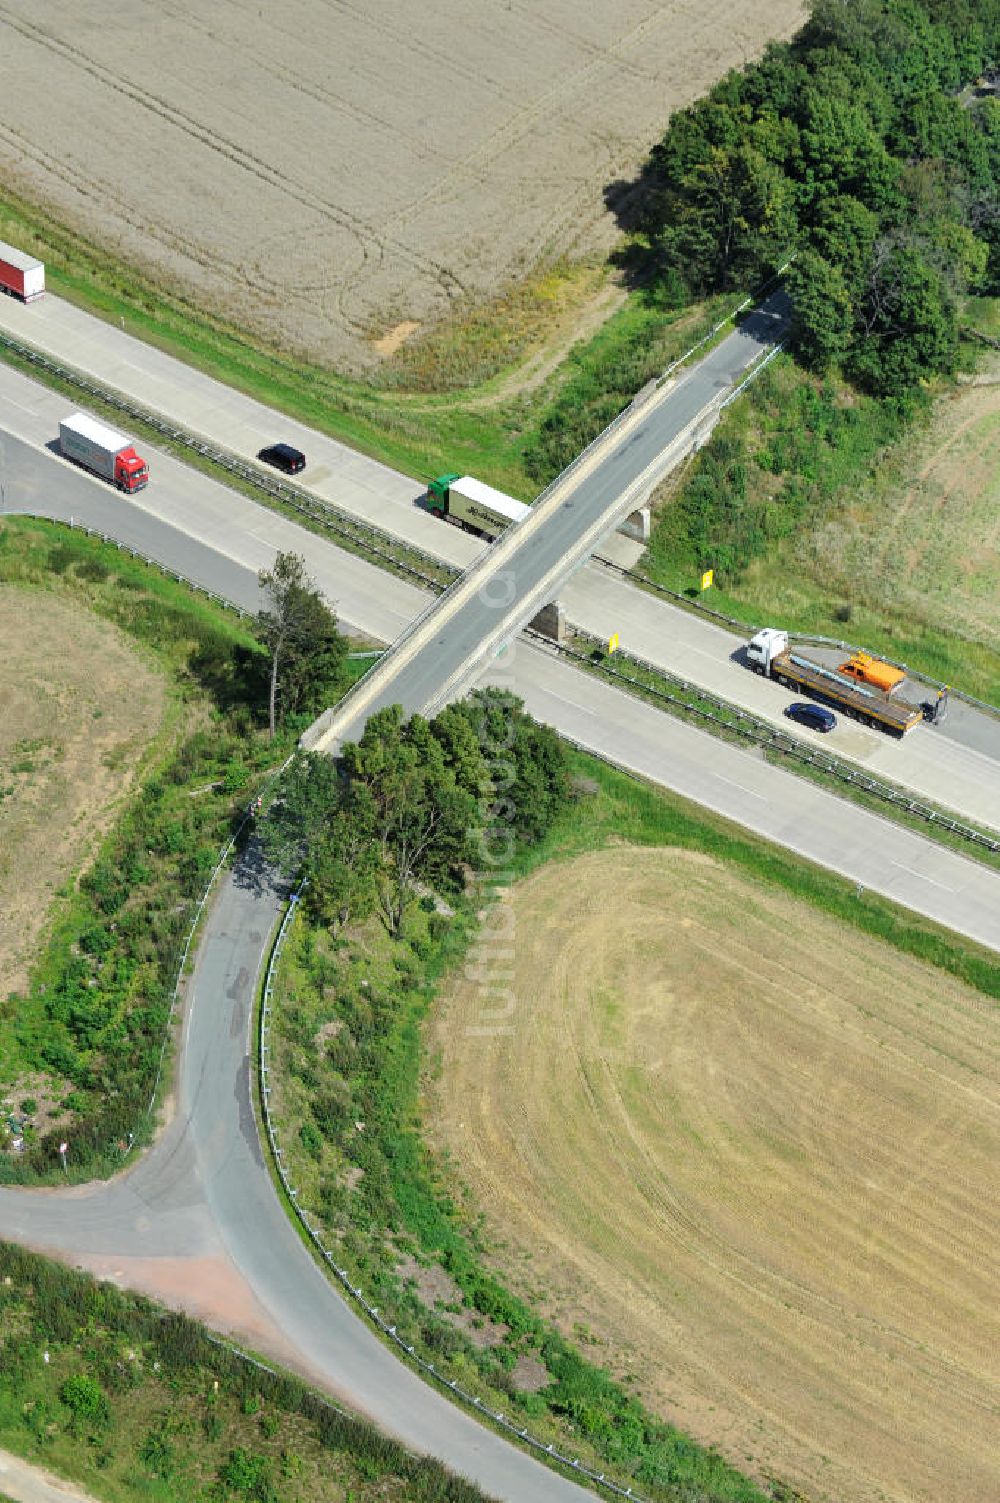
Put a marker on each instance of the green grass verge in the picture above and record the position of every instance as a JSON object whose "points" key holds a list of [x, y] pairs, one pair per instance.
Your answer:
{"points": [[760, 504], [131, 1403], [477, 429]]}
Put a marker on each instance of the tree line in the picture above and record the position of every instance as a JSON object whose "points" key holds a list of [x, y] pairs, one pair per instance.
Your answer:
{"points": [[414, 806], [859, 147]]}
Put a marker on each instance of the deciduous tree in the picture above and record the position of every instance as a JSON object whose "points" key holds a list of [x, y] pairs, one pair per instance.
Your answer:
{"points": [[299, 631]]}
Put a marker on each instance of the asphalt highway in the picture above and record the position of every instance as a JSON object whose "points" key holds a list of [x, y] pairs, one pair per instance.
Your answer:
{"points": [[201, 529], [873, 851]]}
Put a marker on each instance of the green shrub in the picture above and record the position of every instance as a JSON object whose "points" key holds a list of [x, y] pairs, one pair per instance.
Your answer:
{"points": [[86, 1400]]}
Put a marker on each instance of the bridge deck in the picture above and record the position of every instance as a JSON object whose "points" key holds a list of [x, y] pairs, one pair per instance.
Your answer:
{"points": [[509, 583]]}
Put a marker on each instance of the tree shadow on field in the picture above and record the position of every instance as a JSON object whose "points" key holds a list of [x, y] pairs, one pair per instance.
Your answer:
{"points": [[236, 678], [634, 204]]}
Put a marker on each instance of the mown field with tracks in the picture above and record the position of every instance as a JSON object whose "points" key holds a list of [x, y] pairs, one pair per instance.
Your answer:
{"points": [[408, 155], [748, 1157]]}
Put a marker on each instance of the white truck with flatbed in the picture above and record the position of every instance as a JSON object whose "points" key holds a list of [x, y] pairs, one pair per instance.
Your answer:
{"points": [[873, 702]]}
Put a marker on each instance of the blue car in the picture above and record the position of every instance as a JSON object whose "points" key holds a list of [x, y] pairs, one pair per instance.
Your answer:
{"points": [[816, 717]]}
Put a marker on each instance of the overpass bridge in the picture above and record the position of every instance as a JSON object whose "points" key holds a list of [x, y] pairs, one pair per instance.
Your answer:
{"points": [[453, 641]]}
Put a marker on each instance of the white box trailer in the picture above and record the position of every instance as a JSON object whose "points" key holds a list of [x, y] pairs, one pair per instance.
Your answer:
{"points": [[475, 505], [21, 275], [102, 450]]}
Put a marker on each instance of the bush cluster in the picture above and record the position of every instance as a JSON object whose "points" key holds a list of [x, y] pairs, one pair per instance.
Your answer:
{"points": [[84, 1366], [99, 997]]}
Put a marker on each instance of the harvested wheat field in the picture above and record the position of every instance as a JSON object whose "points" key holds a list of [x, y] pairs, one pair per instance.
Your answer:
{"points": [[327, 173], [756, 1155], [77, 707]]}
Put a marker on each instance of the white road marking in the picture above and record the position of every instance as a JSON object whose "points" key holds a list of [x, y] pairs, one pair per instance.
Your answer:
{"points": [[32, 412], [740, 787], [572, 703], [922, 875]]}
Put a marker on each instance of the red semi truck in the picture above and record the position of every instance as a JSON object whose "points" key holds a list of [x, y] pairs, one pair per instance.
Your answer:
{"points": [[20, 275], [100, 449]]}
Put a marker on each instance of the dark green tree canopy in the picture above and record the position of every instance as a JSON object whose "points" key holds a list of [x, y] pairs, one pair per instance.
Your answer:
{"points": [[414, 804], [851, 146]]}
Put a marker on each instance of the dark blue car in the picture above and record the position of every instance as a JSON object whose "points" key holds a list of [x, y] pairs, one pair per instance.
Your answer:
{"points": [[816, 717]]}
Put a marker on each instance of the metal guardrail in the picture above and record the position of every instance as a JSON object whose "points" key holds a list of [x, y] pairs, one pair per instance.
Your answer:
{"points": [[368, 537], [154, 563], [354, 1292], [374, 538], [748, 629], [759, 732]]}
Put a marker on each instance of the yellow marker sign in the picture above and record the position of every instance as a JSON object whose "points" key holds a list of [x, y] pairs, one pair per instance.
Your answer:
{"points": [[613, 643], [706, 579]]}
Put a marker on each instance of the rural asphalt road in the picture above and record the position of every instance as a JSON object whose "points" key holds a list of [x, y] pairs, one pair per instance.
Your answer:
{"points": [[24, 1482], [199, 1208]]}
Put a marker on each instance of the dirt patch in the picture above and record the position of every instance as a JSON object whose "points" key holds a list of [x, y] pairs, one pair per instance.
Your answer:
{"points": [[529, 1375], [409, 156], [437, 1290], [396, 336], [208, 1288], [78, 706], [31, 1101], [327, 1031], [754, 1154]]}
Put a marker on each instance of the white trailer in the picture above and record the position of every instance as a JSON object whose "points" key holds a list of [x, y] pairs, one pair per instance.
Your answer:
{"points": [[21, 275], [102, 450], [472, 504]]}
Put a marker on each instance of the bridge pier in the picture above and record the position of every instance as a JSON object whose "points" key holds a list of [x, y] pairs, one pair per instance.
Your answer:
{"points": [[636, 525], [550, 622]]}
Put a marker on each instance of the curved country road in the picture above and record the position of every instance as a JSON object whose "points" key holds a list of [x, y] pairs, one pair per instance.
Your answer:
{"points": [[25, 1482], [197, 1222]]}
